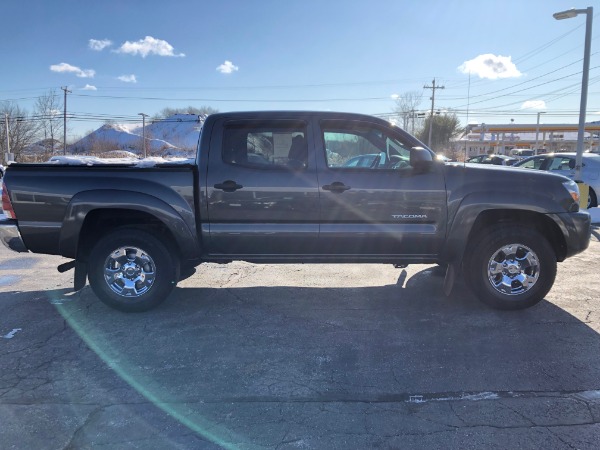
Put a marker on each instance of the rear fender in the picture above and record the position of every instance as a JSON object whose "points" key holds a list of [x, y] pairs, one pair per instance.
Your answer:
{"points": [[84, 202]]}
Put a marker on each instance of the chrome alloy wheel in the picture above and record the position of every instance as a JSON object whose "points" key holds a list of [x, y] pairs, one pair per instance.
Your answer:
{"points": [[129, 271], [513, 269]]}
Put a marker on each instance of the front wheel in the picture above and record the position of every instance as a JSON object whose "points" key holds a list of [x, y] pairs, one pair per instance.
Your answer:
{"points": [[510, 267], [131, 270]]}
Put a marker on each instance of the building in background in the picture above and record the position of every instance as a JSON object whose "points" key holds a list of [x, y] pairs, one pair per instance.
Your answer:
{"points": [[506, 138]]}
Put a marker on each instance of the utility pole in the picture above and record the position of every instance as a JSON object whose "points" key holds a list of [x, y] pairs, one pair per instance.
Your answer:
{"points": [[433, 87], [143, 132], [65, 120]]}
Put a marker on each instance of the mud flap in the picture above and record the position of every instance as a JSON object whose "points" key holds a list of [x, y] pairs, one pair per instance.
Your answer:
{"points": [[80, 276], [450, 278]]}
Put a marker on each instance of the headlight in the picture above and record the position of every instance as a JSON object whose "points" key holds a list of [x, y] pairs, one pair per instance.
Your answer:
{"points": [[573, 190]]}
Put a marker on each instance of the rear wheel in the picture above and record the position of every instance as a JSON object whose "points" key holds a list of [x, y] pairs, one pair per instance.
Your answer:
{"points": [[510, 267], [132, 270]]}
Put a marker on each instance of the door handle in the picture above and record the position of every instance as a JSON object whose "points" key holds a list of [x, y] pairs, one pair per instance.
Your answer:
{"points": [[228, 186], [336, 187]]}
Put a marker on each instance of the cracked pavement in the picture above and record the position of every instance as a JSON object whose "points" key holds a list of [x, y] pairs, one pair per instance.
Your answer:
{"points": [[298, 357]]}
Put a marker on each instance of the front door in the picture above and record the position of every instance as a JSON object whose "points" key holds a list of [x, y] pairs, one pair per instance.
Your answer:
{"points": [[372, 201]]}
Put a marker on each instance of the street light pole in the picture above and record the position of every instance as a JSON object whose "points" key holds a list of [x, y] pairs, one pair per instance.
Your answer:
{"points": [[143, 132], [537, 131], [589, 11]]}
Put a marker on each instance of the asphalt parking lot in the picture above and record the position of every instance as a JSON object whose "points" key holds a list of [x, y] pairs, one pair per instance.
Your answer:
{"points": [[298, 357]]}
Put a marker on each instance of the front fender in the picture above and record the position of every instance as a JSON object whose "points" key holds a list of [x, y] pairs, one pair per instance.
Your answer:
{"points": [[507, 206], [83, 203]]}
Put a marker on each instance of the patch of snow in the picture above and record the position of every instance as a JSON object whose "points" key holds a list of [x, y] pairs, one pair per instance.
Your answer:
{"points": [[94, 161], [595, 213]]}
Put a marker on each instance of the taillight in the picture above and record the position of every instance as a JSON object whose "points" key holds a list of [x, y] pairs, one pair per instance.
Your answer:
{"points": [[6, 204]]}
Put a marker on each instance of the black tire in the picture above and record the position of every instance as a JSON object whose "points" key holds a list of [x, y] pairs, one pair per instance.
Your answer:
{"points": [[145, 272], [592, 199], [530, 267]]}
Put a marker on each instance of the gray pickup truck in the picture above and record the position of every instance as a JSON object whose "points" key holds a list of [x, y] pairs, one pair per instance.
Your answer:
{"points": [[296, 187]]}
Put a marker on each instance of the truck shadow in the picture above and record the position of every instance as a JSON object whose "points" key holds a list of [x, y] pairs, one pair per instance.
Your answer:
{"points": [[595, 233], [338, 342]]}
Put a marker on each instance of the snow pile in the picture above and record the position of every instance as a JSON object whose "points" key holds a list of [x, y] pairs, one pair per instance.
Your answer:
{"points": [[136, 162], [176, 135]]}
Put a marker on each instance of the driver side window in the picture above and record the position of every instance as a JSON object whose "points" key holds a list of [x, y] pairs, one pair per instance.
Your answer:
{"points": [[362, 147]]}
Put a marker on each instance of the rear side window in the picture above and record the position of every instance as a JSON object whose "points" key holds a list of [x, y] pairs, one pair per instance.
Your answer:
{"points": [[534, 163], [268, 145], [562, 163]]}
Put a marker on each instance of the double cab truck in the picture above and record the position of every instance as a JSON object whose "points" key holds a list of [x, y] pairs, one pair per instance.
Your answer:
{"points": [[296, 187]]}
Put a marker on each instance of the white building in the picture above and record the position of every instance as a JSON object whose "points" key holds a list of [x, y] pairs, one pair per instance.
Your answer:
{"points": [[502, 138]]}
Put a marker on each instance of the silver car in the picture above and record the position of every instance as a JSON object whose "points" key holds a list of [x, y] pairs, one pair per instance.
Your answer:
{"points": [[564, 164]]}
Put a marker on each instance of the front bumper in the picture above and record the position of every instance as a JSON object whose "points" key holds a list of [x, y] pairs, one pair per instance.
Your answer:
{"points": [[10, 236], [577, 229]]}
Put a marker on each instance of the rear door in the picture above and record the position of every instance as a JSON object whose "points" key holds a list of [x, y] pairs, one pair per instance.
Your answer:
{"points": [[385, 207], [262, 194]]}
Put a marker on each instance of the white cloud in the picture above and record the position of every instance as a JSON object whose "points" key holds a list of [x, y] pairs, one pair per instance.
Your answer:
{"points": [[89, 87], [491, 67], [68, 68], [394, 96], [228, 67], [148, 46], [128, 78], [99, 45], [534, 104]]}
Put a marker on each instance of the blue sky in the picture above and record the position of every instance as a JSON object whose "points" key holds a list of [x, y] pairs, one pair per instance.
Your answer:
{"points": [[120, 58]]}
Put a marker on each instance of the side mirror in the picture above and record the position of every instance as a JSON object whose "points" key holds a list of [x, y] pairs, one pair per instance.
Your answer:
{"points": [[421, 160]]}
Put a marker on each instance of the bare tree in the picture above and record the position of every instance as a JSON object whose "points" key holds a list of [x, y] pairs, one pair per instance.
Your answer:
{"points": [[406, 109], [203, 110], [22, 129], [48, 113]]}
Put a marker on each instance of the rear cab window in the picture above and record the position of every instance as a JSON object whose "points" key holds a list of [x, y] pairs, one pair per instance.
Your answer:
{"points": [[278, 145]]}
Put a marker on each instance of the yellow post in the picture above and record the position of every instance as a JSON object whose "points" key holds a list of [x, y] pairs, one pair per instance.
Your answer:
{"points": [[584, 194]]}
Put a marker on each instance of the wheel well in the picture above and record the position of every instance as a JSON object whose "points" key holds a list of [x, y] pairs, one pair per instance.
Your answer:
{"points": [[100, 222], [594, 197], [539, 222]]}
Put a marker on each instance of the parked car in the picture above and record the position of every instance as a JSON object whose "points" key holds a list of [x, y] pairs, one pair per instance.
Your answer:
{"points": [[443, 158], [498, 160], [564, 164], [522, 153], [361, 161], [378, 161]]}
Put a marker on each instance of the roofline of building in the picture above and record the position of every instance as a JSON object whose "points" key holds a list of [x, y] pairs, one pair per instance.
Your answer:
{"points": [[516, 128]]}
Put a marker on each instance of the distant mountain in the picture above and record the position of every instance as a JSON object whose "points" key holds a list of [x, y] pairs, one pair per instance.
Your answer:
{"points": [[176, 135]]}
